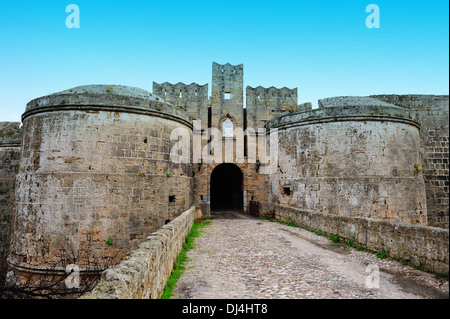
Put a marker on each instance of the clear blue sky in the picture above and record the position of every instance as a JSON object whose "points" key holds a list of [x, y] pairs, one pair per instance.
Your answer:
{"points": [[322, 47]]}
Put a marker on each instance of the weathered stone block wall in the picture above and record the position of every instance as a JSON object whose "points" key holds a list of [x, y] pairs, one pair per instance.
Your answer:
{"points": [[227, 78], [432, 113], [192, 98], [10, 137], [265, 103], [419, 245], [91, 172], [355, 157], [253, 181], [143, 275]]}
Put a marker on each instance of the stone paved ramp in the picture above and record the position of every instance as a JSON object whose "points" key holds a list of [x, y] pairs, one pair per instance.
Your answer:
{"points": [[260, 259], [230, 214]]}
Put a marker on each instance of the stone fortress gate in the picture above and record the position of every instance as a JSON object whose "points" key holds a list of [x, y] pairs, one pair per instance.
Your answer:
{"points": [[93, 170]]}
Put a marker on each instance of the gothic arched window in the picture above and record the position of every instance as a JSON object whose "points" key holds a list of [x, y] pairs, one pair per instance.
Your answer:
{"points": [[227, 128]]}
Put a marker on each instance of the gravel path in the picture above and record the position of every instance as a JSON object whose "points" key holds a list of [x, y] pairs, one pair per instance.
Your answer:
{"points": [[260, 259]]}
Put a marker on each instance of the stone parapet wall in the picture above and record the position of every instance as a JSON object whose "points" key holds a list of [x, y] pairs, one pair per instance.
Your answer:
{"points": [[193, 98], [144, 273], [265, 103], [113, 98], [423, 246], [346, 108]]}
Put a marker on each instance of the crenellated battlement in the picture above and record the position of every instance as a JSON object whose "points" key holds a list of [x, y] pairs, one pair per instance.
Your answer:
{"points": [[265, 103], [181, 93], [192, 98], [261, 95], [227, 93], [228, 69], [227, 79]]}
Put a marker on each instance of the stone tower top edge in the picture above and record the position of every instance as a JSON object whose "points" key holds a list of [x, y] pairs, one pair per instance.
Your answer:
{"points": [[228, 70], [228, 65], [271, 88], [193, 84]]}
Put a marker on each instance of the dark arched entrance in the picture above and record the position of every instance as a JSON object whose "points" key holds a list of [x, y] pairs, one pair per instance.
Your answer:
{"points": [[226, 187]]}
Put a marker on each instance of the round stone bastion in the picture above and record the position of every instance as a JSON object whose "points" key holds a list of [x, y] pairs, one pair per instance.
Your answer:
{"points": [[351, 157], [96, 176]]}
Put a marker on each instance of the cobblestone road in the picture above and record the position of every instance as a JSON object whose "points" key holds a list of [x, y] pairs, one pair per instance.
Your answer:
{"points": [[259, 259]]}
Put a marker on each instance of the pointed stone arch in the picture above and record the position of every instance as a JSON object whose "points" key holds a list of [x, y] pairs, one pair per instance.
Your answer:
{"points": [[227, 184], [227, 123]]}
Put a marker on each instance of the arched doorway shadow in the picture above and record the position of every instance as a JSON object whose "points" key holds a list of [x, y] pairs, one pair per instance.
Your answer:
{"points": [[226, 188]]}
